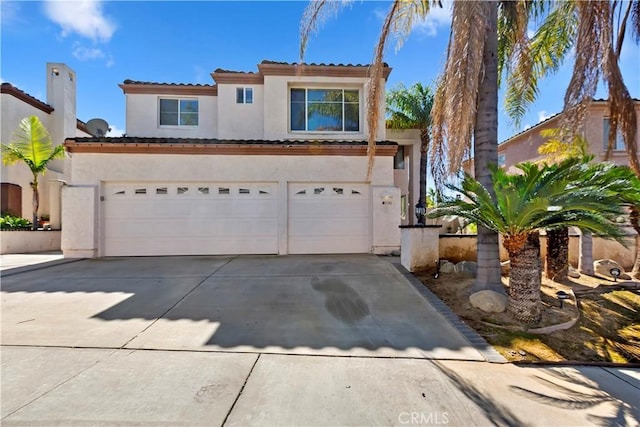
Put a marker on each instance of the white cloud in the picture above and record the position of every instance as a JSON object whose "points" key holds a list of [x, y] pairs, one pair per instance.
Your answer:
{"points": [[530, 33], [84, 17], [438, 17], [115, 131], [543, 115], [86, 53], [526, 126]]}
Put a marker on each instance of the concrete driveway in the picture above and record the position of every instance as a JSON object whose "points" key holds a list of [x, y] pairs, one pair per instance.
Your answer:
{"points": [[328, 305], [297, 340]]}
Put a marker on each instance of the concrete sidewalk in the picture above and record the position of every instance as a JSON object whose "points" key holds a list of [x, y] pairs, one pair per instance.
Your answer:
{"points": [[62, 386]]}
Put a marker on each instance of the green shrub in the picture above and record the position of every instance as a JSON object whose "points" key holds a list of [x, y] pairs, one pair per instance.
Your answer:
{"points": [[10, 222]]}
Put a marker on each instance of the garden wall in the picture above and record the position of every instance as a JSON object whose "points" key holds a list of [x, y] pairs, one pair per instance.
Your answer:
{"points": [[24, 241], [462, 247]]}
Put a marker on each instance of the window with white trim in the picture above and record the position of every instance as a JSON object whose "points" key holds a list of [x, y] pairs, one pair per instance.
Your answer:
{"points": [[178, 112], [619, 145], [244, 95], [324, 110]]}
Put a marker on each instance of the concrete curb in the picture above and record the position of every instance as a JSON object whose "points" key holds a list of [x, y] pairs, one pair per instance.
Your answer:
{"points": [[476, 341], [39, 266]]}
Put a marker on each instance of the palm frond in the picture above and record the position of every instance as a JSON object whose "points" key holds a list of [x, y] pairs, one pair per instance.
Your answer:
{"points": [[31, 144], [314, 16], [454, 110]]}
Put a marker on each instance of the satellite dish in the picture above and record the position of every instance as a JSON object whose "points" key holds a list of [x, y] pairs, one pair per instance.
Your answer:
{"points": [[98, 127]]}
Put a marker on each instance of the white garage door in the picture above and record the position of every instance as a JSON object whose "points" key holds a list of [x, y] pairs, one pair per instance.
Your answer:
{"points": [[329, 218], [190, 218]]}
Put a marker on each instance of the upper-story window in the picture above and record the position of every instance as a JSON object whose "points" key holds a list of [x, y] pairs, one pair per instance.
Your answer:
{"points": [[244, 95], [502, 160], [178, 112], [320, 110], [619, 145]]}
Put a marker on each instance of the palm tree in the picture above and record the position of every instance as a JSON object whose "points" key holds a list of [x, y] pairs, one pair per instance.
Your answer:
{"points": [[32, 144], [555, 150], [410, 108], [571, 193]]}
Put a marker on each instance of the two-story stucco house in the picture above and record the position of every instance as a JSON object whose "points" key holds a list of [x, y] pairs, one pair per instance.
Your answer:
{"points": [[58, 114], [266, 162], [524, 145]]}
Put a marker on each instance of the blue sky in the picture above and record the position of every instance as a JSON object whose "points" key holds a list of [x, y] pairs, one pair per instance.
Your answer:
{"points": [[183, 42]]}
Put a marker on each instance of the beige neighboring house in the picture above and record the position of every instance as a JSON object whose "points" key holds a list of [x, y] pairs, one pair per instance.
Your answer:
{"points": [[266, 162], [58, 114], [524, 145]]}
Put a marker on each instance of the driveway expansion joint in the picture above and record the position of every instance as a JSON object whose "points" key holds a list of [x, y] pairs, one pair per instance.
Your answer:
{"points": [[244, 384]]}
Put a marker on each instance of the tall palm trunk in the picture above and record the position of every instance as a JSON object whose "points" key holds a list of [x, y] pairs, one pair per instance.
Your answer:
{"points": [[424, 149], [635, 223], [524, 277], [557, 259], [485, 152], [585, 262], [35, 201]]}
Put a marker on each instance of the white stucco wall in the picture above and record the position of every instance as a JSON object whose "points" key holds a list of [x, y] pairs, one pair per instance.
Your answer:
{"points": [[240, 121], [92, 170], [276, 107], [142, 117], [80, 214], [26, 242]]}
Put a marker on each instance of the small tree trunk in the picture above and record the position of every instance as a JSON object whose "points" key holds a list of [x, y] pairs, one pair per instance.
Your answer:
{"points": [[585, 262], [557, 259], [36, 202], [424, 149], [525, 278]]}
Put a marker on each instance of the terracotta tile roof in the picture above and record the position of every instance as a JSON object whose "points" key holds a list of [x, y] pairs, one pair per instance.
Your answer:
{"points": [[139, 82], [213, 141], [10, 89], [313, 64], [134, 145]]}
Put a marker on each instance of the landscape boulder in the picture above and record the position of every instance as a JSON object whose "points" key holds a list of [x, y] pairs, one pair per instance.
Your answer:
{"points": [[470, 268], [447, 267], [603, 268], [489, 301], [573, 273]]}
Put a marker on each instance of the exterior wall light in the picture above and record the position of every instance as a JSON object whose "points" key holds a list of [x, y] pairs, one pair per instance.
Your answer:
{"points": [[421, 210], [615, 273], [387, 199]]}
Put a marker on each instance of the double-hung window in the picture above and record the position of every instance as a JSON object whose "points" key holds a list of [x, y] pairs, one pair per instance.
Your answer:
{"points": [[322, 110], [244, 95], [619, 144], [178, 112]]}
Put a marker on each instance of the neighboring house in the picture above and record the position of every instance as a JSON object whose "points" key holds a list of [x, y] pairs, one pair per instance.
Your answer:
{"points": [[266, 162], [524, 145], [58, 114]]}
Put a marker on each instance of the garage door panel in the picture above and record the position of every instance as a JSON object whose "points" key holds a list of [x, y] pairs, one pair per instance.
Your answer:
{"points": [[190, 218], [329, 218]]}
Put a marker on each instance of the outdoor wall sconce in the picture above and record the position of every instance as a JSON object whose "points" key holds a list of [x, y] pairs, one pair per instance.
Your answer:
{"points": [[562, 295], [421, 210], [55, 72], [615, 273], [387, 199]]}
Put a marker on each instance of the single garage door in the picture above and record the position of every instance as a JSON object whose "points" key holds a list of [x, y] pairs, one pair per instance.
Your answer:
{"points": [[190, 218], [329, 218]]}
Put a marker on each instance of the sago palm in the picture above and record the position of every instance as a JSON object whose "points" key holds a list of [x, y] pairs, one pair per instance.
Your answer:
{"points": [[410, 108], [32, 145], [571, 193]]}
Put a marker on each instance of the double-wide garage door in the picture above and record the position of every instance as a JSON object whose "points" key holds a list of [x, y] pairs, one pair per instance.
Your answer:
{"points": [[233, 218]]}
